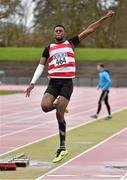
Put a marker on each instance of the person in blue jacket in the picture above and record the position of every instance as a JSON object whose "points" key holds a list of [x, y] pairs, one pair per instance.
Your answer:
{"points": [[103, 84]]}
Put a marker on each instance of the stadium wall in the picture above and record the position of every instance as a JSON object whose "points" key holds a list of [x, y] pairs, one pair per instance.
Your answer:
{"points": [[12, 72]]}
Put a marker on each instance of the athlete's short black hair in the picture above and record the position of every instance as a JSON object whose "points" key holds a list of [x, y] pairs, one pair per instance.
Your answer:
{"points": [[101, 65], [59, 25]]}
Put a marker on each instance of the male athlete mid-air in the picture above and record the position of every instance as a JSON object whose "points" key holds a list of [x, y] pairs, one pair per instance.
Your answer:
{"points": [[61, 71]]}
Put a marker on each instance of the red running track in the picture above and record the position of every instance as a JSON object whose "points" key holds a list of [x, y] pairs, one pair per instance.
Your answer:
{"points": [[22, 117], [106, 161]]}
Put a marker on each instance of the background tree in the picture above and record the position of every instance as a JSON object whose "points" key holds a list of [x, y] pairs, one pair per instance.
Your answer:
{"points": [[74, 15], [119, 27], [9, 10], [14, 27], [8, 7], [15, 15]]}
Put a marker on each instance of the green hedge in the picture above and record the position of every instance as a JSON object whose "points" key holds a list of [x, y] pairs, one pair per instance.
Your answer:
{"points": [[82, 54]]}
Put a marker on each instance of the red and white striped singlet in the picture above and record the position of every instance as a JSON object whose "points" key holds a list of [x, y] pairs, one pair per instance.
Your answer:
{"points": [[61, 61]]}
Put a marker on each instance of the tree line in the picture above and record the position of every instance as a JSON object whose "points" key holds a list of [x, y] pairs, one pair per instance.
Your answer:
{"points": [[74, 15]]}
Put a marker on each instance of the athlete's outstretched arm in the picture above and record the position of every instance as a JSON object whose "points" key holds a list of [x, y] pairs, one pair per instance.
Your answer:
{"points": [[36, 75], [94, 26]]}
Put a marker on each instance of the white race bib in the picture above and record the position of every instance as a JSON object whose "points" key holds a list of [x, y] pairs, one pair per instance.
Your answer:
{"points": [[60, 59]]}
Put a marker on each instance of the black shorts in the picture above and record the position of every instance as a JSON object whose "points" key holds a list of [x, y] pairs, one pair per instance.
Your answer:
{"points": [[60, 87]]}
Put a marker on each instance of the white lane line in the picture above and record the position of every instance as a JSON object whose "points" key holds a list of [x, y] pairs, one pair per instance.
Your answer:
{"points": [[69, 129], [23, 112], [32, 112], [83, 153], [63, 175], [81, 175], [108, 176], [15, 113], [86, 98], [6, 115], [25, 129], [124, 177], [37, 116], [43, 124], [21, 120], [40, 124], [13, 121]]}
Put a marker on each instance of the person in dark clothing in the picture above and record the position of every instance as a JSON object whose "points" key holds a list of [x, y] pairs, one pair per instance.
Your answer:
{"points": [[103, 84]]}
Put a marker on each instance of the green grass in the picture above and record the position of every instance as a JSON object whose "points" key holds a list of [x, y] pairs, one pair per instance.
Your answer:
{"points": [[78, 141], [101, 54], [17, 54], [9, 92], [82, 54]]}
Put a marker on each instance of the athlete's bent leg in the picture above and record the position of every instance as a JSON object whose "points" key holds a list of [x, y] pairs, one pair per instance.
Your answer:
{"points": [[47, 102]]}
